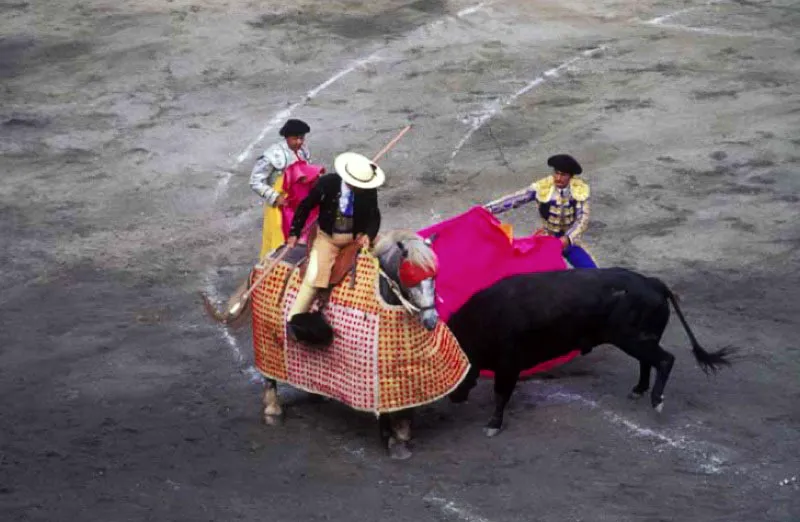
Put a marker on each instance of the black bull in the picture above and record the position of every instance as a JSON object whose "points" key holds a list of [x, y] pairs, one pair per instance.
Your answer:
{"points": [[531, 318]]}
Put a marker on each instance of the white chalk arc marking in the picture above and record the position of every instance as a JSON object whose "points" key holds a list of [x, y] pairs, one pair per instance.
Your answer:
{"points": [[491, 109]]}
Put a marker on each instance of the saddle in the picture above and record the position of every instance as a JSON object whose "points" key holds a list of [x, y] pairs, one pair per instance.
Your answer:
{"points": [[345, 260]]}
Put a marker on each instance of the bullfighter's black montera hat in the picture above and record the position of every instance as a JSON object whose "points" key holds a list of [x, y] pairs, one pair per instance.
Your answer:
{"points": [[565, 163]]}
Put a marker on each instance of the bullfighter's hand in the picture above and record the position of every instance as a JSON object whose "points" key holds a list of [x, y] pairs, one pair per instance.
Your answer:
{"points": [[281, 201], [564, 242], [291, 241]]}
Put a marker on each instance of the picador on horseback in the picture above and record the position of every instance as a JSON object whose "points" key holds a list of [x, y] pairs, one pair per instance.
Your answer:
{"points": [[348, 211], [375, 342]]}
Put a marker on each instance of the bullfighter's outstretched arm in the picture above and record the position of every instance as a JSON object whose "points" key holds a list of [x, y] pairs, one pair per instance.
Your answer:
{"points": [[512, 201]]}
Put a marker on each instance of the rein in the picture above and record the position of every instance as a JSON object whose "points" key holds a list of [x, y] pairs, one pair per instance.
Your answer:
{"points": [[395, 288]]}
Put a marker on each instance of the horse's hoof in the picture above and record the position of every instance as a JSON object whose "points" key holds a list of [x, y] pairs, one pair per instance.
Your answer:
{"points": [[273, 420], [399, 451], [634, 395], [491, 432]]}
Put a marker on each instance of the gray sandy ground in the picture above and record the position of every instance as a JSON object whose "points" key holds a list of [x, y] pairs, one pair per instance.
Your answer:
{"points": [[122, 195]]}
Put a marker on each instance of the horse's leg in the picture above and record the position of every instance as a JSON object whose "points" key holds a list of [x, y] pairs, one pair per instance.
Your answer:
{"points": [[505, 380], [644, 381], [384, 429], [273, 413], [400, 424]]}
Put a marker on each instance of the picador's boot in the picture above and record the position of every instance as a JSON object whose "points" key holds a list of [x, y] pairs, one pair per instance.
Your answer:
{"points": [[305, 327]]}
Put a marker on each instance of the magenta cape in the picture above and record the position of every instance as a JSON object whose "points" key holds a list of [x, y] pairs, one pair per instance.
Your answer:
{"points": [[474, 253], [298, 180]]}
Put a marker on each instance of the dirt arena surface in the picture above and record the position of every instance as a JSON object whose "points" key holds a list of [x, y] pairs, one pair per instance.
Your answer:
{"points": [[127, 134]]}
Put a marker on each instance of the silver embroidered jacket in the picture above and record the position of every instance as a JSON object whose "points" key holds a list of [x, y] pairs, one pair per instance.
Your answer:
{"points": [[565, 212], [269, 165]]}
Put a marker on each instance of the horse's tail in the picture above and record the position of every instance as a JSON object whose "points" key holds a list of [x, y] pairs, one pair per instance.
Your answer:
{"points": [[708, 361]]}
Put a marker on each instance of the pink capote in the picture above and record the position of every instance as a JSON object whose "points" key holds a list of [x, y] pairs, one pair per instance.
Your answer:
{"points": [[474, 253], [298, 179]]}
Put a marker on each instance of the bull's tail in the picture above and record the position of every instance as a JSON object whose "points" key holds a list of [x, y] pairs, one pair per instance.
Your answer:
{"points": [[708, 361]]}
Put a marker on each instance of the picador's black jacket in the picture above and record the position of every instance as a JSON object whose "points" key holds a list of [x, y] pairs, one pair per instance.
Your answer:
{"points": [[326, 193]]}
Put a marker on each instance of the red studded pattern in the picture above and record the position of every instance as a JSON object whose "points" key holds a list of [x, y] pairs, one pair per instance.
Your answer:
{"points": [[381, 360]]}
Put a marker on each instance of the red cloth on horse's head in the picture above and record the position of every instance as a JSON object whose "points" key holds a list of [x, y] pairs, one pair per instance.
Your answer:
{"points": [[411, 275]]}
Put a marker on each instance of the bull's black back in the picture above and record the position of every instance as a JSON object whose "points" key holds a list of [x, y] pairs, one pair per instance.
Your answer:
{"points": [[538, 316]]}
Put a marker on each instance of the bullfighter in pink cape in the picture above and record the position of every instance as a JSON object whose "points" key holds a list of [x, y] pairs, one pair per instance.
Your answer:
{"points": [[266, 180]]}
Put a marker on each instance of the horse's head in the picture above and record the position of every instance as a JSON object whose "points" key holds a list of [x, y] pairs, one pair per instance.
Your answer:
{"points": [[410, 263]]}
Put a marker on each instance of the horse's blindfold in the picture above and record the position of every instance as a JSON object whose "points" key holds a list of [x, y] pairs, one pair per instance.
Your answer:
{"points": [[411, 274]]}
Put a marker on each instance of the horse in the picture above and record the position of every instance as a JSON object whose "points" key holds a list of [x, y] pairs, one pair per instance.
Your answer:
{"points": [[408, 268], [526, 319]]}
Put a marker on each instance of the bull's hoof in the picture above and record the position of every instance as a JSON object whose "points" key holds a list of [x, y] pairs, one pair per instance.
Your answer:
{"points": [[635, 395], [491, 432], [659, 407], [398, 450], [273, 420]]}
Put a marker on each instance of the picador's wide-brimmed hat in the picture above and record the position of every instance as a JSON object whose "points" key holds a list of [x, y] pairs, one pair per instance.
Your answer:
{"points": [[565, 163], [294, 127], [358, 171]]}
